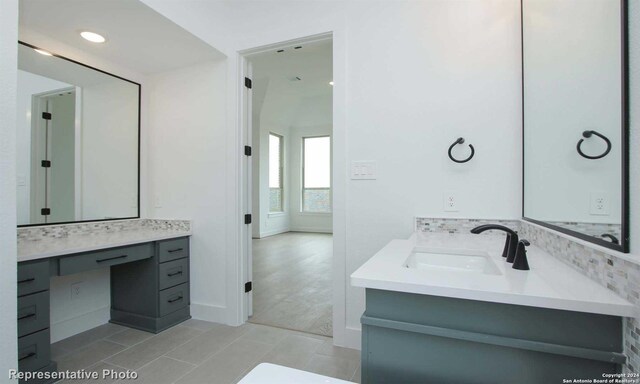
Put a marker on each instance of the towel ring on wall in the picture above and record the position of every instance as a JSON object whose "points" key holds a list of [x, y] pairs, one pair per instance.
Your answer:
{"points": [[586, 135], [461, 141]]}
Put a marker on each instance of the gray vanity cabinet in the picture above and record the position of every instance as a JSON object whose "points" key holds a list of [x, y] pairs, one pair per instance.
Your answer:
{"points": [[412, 338], [153, 294]]}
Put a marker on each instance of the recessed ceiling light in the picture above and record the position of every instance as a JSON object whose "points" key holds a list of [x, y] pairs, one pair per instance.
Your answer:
{"points": [[92, 37], [331, 83], [42, 52]]}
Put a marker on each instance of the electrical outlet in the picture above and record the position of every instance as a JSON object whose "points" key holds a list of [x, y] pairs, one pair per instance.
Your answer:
{"points": [[77, 290], [599, 204], [450, 201]]}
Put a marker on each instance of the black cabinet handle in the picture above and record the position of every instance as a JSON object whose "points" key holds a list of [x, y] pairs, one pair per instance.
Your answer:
{"points": [[174, 274], [27, 316], [174, 250], [26, 280], [174, 300], [27, 356], [110, 258]]}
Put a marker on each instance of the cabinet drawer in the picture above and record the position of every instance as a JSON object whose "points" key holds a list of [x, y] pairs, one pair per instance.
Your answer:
{"points": [[174, 298], [173, 249], [33, 351], [33, 276], [104, 258], [33, 313], [173, 273]]}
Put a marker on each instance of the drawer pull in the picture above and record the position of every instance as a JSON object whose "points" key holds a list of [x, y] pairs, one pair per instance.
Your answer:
{"points": [[174, 300], [27, 356], [175, 250], [110, 258], [26, 280], [27, 316], [174, 274]]}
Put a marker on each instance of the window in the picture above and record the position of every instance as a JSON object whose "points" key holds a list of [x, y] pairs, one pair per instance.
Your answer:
{"points": [[276, 163], [316, 174]]}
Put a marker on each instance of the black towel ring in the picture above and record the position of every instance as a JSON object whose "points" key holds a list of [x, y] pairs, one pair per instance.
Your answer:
{"points": [[461, 141], [586, 135]]}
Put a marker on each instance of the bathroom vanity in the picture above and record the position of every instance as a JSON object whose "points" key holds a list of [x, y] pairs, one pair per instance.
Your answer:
{"points": [[149, 282], [430, 319]]}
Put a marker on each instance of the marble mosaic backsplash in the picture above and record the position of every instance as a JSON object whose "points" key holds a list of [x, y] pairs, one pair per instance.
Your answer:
{"points": [[609, 269], [99, 227]]}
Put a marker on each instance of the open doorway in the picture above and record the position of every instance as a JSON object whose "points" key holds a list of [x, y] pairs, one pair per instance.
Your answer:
{"points": [[290, 261]]}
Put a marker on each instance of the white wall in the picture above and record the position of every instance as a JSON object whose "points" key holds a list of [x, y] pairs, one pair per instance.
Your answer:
{"points": [[634, 109], [187, 158], [418, 75], [28, 85], [8, 93]]}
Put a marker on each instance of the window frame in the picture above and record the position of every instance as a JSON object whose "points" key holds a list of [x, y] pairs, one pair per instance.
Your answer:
{"points": [[280, 170], [302, 178]]}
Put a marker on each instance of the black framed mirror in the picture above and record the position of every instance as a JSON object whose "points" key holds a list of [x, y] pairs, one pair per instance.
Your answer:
{"points": [[78, 141], [576, 119]]}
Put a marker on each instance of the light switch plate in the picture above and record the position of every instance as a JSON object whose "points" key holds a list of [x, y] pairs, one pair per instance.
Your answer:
{"points": [[364, 170]]}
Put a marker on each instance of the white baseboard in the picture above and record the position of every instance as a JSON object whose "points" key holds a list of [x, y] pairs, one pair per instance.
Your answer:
{"points": [[67, 328], [273, 232], [311, 229], [352, 338], [206, 312]]}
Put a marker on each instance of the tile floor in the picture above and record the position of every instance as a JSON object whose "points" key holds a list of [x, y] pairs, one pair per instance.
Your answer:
{"points": [[199, 352], [292, 282]]}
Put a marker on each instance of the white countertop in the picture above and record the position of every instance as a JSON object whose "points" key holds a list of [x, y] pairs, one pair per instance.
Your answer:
{"points": [[51, 247], [266, 373], [548, 284]]}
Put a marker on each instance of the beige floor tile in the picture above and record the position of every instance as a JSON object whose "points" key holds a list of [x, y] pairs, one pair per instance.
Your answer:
{"points": [[129, 337], [85, 338], [227, 365], [338, 368], [328, 349], [154, 347], [264, 334], [295, 344], [207, 344], [102, 378], [89, 355], [298, 360], [199, 324], [357, 377], [163, 370]]}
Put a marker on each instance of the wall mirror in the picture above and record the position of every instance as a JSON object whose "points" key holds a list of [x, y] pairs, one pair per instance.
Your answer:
{"points": [[78, 141], [575, 118]]}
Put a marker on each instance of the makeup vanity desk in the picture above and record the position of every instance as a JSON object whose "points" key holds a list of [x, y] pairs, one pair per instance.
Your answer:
{"points": [[149, 282]]}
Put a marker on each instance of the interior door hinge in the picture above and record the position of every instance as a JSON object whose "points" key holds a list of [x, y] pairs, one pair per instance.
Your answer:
{"points": [[247, 150], [248, 287], [46, 115], [45, 211], [247, 219], [46, 163], [247, 82]]}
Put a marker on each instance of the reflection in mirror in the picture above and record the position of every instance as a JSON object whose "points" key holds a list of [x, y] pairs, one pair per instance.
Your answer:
{"points": [[574, 120], [77, 135]]}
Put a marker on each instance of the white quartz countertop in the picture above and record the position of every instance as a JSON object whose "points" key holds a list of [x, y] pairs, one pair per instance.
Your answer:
{"points": [[58, 246], [548, 284]]}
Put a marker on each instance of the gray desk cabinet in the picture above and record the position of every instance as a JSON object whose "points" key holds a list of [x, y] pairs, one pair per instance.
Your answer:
{"points": [[411, 338], [149, 291]]}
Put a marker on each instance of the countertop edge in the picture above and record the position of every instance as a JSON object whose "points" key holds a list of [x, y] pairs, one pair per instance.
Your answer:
{"points": [[70, 251], [623, 310]]}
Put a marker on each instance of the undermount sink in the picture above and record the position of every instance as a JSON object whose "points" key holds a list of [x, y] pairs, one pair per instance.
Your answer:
{"points": [[461, 260]]}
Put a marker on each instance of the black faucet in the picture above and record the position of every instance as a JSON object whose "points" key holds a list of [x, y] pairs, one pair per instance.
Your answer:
{"points": [[510, 245], [613, 239], [520, 261]]}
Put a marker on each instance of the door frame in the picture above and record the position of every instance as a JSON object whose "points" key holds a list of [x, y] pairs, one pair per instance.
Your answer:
{"points": [[342, 336]]}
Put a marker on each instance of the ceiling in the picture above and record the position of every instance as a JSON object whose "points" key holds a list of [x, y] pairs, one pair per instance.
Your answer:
{"points": [[137, 37]]}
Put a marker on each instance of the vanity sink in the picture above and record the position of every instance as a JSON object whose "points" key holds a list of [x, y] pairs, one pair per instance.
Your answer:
{"points": [[461, 260]]}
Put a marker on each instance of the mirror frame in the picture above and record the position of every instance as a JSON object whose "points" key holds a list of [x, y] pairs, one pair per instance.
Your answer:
{"points": [[624, 241], [139, 136]]}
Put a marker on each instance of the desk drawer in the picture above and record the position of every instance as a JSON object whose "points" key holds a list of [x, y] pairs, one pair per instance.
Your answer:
{"points": [[173, 249], [33, 313], [174, 273], [34, 351], [33, 276], [98, 259], [173, 299]]}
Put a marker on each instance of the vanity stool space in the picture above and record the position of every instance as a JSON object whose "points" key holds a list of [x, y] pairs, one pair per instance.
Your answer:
{"points": [[149, 291]]}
